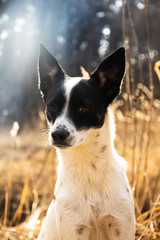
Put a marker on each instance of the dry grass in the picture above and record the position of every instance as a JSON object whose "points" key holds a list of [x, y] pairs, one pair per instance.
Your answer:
{"points": [[28, 175]]}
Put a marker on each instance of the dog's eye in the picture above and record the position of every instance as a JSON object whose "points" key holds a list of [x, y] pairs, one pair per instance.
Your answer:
{"points": [[84, 108], [53, 107]]}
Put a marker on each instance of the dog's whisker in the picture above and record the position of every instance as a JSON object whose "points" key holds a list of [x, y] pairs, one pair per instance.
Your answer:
{"points": [[44, 136], [44, 133]]}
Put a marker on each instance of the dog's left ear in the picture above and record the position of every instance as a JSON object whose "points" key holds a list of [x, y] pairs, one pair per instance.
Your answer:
{"points": [[49, 71], [110, 73]]}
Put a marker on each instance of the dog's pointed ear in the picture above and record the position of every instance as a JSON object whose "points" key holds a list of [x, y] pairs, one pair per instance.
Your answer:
{"points": [[49, 70], [110, 73]]}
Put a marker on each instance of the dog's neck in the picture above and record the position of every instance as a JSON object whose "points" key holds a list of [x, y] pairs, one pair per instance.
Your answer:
{"points": [[92, 159]]}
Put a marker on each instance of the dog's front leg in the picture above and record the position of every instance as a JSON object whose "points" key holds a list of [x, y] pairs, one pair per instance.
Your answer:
{"points": [[49, 228]]}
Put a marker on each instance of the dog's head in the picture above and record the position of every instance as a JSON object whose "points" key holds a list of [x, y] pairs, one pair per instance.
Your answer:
{"points": [[74, 105]]}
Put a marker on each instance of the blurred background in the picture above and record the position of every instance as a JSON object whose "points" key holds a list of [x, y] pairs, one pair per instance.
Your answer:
{"points": [[78, 33]]}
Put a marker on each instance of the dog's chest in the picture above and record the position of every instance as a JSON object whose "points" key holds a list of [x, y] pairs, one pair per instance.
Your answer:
{"points": [[77, 211], [89, 194], [81, 209]]}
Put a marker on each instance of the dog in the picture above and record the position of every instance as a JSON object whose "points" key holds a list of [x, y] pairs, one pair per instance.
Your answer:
{"points": [[93, 200]]}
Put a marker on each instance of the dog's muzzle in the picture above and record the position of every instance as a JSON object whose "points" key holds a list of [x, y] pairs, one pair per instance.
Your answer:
{"points": [[59, 138]]}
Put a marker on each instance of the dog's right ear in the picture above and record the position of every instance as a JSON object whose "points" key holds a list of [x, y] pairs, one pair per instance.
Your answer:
{"points": [[109, 74], [49, 70]]}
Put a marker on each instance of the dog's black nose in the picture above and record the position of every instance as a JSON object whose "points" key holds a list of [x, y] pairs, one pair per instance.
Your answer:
{"points": [[59, 136]]}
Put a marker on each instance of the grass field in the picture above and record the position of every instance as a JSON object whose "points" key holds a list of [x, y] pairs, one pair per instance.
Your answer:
{"points": [[28, 175]]}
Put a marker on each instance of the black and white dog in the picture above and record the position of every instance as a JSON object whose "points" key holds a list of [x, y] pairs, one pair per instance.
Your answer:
{"points": [[92, 196]]}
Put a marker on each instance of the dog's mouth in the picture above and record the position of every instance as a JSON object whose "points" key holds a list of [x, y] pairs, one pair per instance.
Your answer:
{"points": [[62, 146]]}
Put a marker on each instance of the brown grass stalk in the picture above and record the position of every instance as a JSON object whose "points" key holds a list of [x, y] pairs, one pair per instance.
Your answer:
{"points": [[8, 193], [150, 219], [15, 234], [150, 84], [19, 211]]}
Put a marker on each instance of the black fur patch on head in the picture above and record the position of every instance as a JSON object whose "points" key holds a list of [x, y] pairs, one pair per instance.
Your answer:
{"points": [[88, 97], [55, 102]]}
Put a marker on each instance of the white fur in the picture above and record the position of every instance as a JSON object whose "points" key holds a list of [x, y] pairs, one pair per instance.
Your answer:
{"points": [[93, 199], [69, 84]]}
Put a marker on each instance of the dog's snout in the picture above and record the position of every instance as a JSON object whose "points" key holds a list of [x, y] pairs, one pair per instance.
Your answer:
{"points": [[59, 136]]}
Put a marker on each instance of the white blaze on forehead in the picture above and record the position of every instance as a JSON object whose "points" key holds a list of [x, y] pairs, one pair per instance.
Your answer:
{"points": [[69, 84]]}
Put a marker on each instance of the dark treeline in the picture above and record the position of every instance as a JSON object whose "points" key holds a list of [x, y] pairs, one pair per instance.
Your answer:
{"points": [[79, 33]]}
